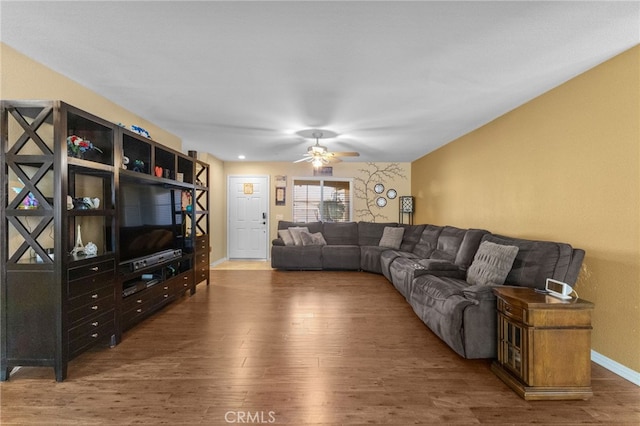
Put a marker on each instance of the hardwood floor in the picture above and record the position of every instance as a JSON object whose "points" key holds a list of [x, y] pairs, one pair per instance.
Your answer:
{"points": [[271, 347]]}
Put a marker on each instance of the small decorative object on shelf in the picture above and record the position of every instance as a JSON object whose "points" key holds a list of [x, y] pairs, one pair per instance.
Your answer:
{"points": [[138, 166], [186, 200], [125, 161], [78, 249], [85, 203], [93, 203], [76, 146], [139, 130], [69, 202], [90, 249], [29, 202]]}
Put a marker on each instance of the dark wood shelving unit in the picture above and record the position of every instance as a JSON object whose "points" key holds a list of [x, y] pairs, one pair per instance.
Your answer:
{"points": [[56, 303]]}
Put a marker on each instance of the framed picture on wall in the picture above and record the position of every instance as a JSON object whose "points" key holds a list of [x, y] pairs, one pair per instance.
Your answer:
{"points": [[281, 196]]}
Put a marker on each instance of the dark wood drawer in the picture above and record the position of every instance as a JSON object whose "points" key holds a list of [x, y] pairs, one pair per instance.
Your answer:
{"points": [[89, 298], [136, 300], [139, 310], [511, 311], [91, 269], [91, 324], [85, 340], [94, 307], [183, 281], [202, 243], [90, 283], [163, 293], [202, 274]]}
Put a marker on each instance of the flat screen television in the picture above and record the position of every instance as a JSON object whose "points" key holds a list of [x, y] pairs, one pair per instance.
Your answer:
{"points": [[148, 220]]}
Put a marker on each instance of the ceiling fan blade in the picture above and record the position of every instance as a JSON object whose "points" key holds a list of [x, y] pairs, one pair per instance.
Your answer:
{"points": [[344, 154], [303, 159]]}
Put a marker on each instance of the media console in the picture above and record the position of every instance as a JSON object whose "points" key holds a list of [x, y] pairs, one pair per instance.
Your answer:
{"points": [[150, 231]]}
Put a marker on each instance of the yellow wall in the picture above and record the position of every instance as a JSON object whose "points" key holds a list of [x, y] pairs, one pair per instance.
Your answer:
{"points": [[363, 172], [563, 167], [24, 78]]}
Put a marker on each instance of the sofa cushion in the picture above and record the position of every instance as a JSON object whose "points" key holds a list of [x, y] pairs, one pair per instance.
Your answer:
{"points": [[370, 258], [428, 241], [391, 237], [295, 234], [536, 260], [344, 257], [340, 233], [315, 239], [411, 236], [313, 226], [296, 257], [449, 242], [469, 247], [491, 264], [387, 258], [369, 233], [285, 235]]}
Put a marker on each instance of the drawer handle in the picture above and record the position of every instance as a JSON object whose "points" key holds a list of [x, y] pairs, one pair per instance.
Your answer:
{"points": [[166, 295], [139, 301], [95, 323], [94, 335], [185, 285], [95, 269], [185, 278], [94, 296], [166, 287], [139, 310], [94, 307]]}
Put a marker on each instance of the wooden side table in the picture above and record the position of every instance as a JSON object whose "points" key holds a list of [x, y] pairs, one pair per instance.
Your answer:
{"points": [[544, 344]]}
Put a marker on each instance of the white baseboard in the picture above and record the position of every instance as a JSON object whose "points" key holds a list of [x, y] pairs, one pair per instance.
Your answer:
{"points": [[615, 367], [217, 262]]}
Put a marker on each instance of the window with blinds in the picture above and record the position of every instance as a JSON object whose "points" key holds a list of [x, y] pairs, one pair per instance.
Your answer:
{"points": [[321, 200]]}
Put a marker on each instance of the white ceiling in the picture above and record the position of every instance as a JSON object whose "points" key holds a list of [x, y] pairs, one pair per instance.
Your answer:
{"points": [[395, 80]]}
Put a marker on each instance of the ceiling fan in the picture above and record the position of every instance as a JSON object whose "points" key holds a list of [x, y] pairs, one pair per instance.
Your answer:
{"points": [[319, 155]]}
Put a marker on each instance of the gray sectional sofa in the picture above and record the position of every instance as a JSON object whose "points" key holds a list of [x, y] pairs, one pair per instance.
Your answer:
{"points": [[445, 273]]}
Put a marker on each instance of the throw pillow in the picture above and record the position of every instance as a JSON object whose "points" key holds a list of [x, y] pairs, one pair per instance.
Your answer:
{"points": [[491, 264], [295, 234], [285, 235], [315, 239], [391, 237]]}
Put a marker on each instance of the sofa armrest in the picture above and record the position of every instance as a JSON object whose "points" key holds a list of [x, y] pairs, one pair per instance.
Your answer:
{"points": [[277, 242], [479, 292]]}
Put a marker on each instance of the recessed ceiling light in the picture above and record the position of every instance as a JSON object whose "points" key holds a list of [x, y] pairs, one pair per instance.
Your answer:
{"points": [[241, 157]]}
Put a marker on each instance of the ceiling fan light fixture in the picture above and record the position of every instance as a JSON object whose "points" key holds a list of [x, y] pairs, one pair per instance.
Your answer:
{"points": [[317, 162]]}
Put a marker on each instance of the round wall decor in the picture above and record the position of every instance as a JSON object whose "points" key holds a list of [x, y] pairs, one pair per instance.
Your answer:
{"points": [[381, 201], [391, 194], [379, 188]]}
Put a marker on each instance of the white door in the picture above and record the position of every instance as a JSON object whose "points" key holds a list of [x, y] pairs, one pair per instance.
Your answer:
{"points": [[248, 201]]}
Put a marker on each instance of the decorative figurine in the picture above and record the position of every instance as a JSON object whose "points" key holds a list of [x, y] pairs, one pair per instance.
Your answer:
{"points": [[138, 166], [78, 249], [139, 130]]}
